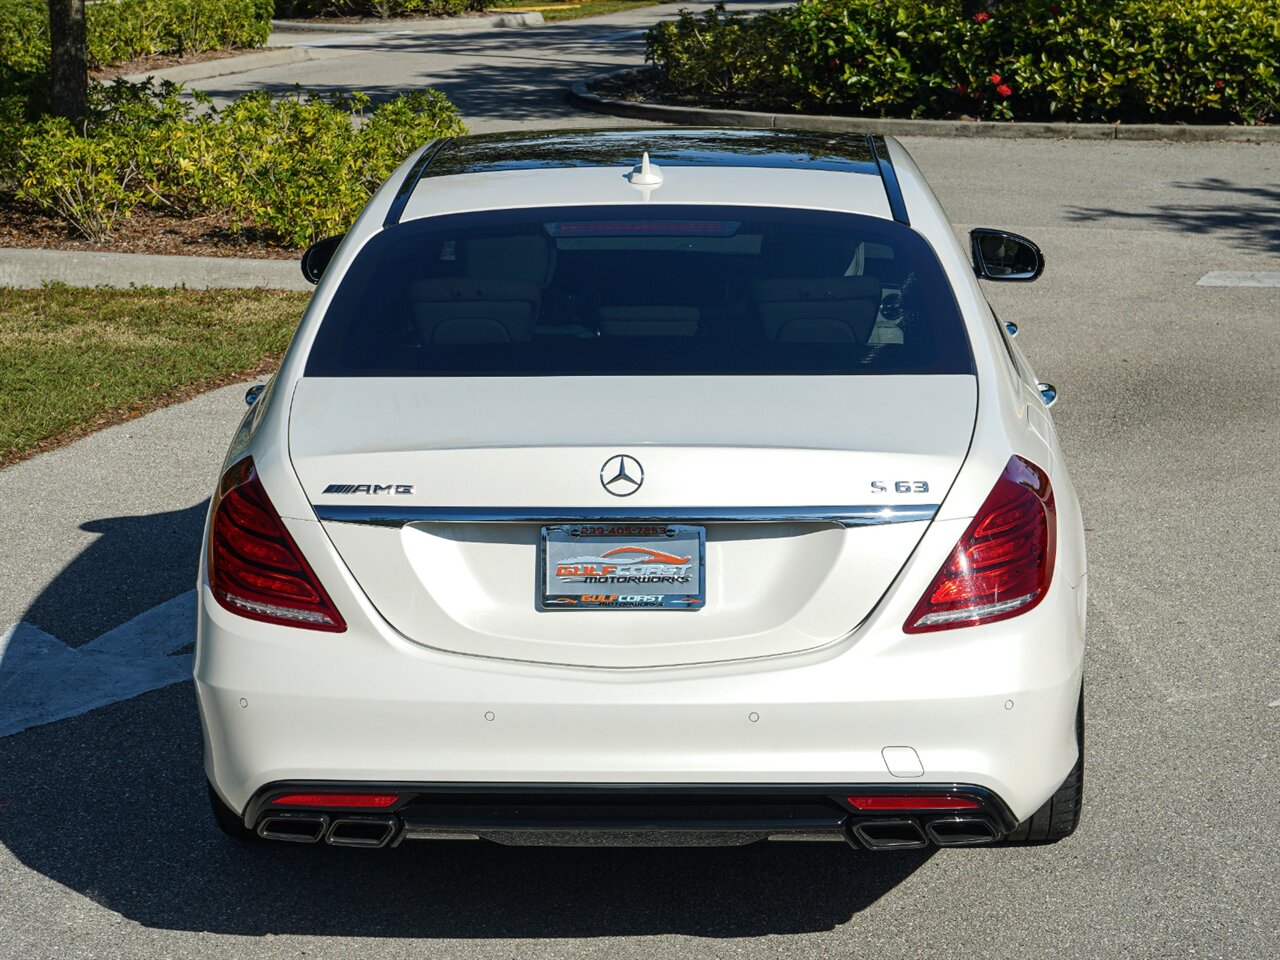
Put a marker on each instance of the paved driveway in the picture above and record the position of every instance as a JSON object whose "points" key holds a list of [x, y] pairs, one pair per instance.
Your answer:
{"points": [[1170, 417]]}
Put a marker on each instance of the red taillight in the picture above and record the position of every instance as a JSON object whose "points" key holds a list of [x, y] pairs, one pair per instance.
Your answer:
{"points": [[362, 800], [901, 801], [1002, 565], [255, 568]]}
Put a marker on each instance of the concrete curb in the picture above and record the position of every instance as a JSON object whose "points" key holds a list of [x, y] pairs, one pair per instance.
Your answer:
{"points": [[30, 268], [186, 72], [441, 25], [580, 95]]}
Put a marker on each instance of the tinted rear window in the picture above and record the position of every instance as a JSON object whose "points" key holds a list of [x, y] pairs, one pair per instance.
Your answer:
{"points": [[598, 291]]}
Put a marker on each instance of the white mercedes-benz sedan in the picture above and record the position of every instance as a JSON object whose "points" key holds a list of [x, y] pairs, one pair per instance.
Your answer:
{"points": [[660, 486]]}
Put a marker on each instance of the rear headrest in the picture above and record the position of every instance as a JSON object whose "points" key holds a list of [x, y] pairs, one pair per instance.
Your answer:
{"points": [[489, 290], [527, 259], [657, 321], [818, 309], [452, 310], [795, 290]]}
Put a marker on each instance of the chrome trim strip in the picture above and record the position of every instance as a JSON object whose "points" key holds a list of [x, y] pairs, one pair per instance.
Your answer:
{"points": [[392, 515], [410, 182], [889, 176]]}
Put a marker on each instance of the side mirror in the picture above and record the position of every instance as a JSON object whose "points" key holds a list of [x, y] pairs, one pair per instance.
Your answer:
{"points": [[1000, 255], [318, 255]]}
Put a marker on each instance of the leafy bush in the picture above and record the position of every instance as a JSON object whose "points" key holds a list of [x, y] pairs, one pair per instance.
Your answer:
{"points": [[376, 8], [1084, 60], [722, 60], [300, 167], [126, 29], [89, 182]]}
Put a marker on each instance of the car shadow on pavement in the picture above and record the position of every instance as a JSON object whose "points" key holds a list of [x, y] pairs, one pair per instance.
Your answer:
{"points": [[134, 564], [1246, 215], [111, 804]]}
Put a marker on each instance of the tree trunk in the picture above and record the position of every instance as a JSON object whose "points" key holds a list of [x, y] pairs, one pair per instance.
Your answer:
{"points": [[68, 60]]}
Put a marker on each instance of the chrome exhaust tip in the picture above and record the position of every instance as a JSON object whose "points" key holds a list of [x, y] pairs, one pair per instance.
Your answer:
{"points": [[368, 831], [889, 835], [293, 826], [962, 831]]}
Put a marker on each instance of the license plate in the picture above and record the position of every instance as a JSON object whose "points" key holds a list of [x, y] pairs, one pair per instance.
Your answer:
{"points": [[609, 566]]}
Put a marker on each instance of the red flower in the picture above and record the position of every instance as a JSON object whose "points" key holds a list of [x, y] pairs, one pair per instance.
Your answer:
{"points": [[995, 78], [1004, 90], [981, 17], [1219, 84], [833, 63]]}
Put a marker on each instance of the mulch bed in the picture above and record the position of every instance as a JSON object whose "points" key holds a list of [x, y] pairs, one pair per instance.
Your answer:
{"points": [[162, 60], [146, 231]]}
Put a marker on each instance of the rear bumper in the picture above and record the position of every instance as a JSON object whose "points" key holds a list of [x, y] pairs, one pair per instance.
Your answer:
{"points": [[633, 814], [992, 706]]}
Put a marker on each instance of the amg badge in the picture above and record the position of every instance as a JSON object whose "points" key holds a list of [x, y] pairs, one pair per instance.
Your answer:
{"points": [[369, 488]]}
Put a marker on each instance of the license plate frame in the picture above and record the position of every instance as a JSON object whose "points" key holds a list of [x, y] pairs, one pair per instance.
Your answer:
{"points": [[583, 546]]}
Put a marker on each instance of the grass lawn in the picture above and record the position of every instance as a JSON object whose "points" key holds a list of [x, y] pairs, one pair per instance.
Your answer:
{"points": [[73, 360], [553, 10]]}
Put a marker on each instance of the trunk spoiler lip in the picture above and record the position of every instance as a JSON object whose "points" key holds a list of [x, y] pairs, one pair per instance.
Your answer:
{"points": [[867, 515]]}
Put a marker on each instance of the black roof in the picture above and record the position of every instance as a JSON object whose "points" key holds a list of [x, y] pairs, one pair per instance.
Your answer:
{"points": [[665, 146]]}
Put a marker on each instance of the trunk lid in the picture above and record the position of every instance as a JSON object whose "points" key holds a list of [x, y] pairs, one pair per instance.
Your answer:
{"points": [[426, 459]]}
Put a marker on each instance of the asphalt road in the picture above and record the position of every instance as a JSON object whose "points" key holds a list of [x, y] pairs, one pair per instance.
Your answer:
{"points": [[1170, 419]]}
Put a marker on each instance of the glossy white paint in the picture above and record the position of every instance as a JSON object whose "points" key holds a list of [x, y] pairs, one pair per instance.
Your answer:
{"points": [[506, 189], [746, 442], [712, 441], [441, 630]]}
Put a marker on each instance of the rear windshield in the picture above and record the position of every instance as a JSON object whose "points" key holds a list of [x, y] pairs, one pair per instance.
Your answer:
{"points": [[642, 290]]}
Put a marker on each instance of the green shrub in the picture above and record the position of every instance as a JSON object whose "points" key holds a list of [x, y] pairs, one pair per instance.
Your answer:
{"points": [[89, 182], [299, 167], [1084, 60], [119, 30], [721, 59], [376, 8]]}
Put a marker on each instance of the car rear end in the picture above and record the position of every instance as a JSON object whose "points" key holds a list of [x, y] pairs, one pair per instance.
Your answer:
{"points": [[674, 513]]}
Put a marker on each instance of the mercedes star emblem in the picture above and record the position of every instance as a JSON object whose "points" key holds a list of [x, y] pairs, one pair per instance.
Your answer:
{"points": [[622, 475]]}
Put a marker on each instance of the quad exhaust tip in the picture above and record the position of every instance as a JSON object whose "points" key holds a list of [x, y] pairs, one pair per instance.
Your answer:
{"points": [[293, 826], [890, 835], [908, 834], [373, 831], [962, 831], [296, 826], [356, 831]]}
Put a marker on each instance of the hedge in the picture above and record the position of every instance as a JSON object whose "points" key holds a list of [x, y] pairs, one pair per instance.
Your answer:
{"points": [[120, 30], [299, 167], [1202, 61]]}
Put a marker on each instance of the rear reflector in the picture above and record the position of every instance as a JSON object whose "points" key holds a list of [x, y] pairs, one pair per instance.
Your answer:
{"points": [[255, 568], [335, 800], [1004, 561], [898, 801]]}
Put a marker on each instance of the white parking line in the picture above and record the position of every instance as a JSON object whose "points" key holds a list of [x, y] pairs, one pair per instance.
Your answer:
{"points": [[1239, 278], [43, 680]]}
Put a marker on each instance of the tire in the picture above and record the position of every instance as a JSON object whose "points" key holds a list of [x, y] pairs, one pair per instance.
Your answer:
{"points": [[227, 819], [1060, 815]]}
